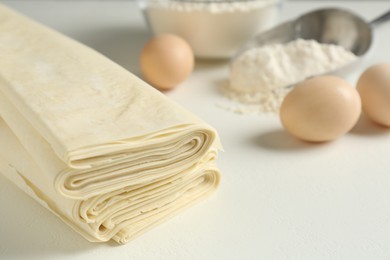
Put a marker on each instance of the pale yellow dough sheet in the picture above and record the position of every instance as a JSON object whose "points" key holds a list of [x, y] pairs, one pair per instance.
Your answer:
{"points": [[93, 143]]}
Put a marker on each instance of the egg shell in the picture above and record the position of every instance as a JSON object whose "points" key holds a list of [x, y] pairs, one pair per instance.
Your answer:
{"points": [[320, 109], [166, 61], [374, 89]]}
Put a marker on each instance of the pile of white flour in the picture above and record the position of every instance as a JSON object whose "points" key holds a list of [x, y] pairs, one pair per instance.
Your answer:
{"points": [[259, 77]]}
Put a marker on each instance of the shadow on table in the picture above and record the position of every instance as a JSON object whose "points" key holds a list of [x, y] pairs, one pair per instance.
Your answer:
{"points": [[121, 44], [207, 64], [279, 139], [367, 127], [28, 230]]}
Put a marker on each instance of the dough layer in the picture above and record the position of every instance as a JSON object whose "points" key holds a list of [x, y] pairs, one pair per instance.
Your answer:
{"points": [[97, 146]]}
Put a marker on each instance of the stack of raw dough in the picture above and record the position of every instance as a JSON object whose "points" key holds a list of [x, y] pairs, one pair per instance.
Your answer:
{"points": [[108, 154]]}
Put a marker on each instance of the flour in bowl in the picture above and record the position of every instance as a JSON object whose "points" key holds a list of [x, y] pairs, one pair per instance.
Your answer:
{"points": [[259, 77]]}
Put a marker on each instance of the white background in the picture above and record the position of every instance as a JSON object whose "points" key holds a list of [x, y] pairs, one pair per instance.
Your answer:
{"points": [[279, 199]]}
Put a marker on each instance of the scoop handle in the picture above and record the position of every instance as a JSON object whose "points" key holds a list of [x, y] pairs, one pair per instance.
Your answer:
{"points": [[381, 19]]}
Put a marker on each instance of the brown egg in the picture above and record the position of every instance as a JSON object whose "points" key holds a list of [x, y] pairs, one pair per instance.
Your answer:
{"points": [[166, 61], [320, 109], [374, 89]]}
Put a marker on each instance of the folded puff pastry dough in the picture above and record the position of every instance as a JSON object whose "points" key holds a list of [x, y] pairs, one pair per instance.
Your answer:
{"points": [[97, 146]]}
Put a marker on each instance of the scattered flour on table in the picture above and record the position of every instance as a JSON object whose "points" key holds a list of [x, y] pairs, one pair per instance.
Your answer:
{"points": [[259, 76]]}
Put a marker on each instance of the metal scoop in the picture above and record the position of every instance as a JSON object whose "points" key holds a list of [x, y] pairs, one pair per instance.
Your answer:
{"points": [[330, 25]]}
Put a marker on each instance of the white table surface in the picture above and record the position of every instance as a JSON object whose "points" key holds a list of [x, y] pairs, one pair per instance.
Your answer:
{"points": [[279, 198]]}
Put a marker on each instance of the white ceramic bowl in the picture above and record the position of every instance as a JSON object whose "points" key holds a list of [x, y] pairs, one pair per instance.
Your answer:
{"points": [[214, 29]]}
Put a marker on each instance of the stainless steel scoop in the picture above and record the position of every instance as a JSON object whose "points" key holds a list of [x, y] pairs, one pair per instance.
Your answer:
{"points": [[330, 25]]}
